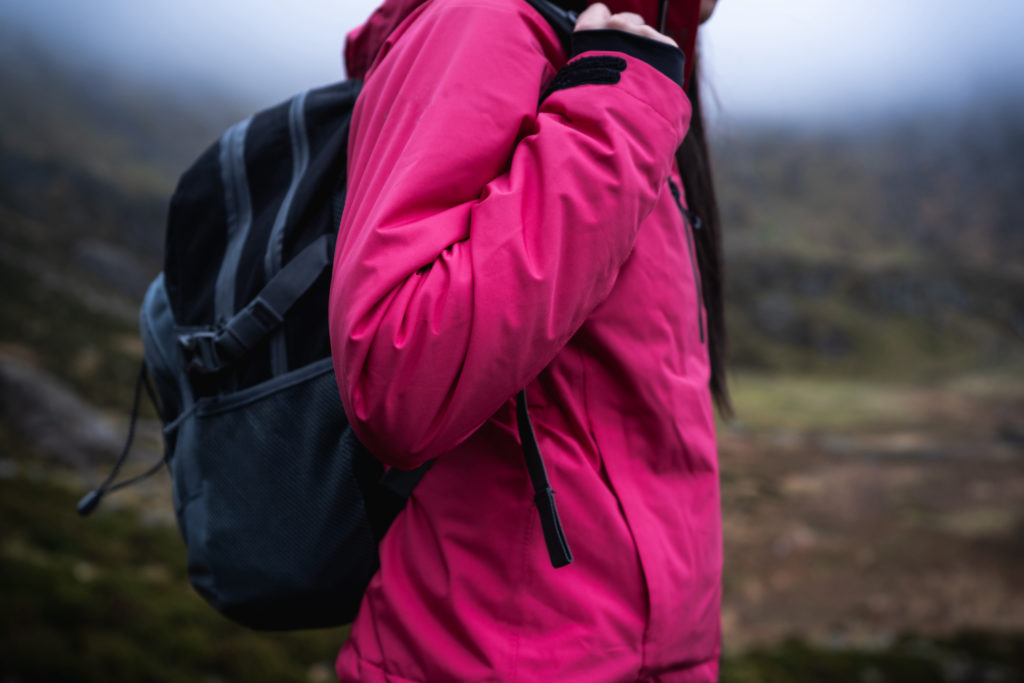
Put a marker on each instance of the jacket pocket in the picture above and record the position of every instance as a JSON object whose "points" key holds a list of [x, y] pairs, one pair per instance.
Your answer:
{"points": [[691, 225]]}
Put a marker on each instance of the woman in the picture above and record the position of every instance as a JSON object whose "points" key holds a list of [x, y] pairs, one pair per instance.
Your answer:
{"points": [[514, 219]]}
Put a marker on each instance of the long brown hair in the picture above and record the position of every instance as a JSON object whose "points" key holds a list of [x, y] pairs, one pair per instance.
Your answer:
{"points": [[698, 183]]}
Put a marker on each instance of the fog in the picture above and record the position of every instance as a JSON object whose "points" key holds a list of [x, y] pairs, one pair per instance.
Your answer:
{"points": [[803, 61], [821, 60]]}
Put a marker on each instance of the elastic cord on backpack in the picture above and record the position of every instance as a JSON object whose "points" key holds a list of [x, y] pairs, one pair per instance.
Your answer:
{"points": [[89, 502]]}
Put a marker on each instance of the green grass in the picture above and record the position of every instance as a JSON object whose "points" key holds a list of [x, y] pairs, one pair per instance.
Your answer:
{"points": [[106, 599], [821, 403], [88, 350], [966, 658], [828, 403]]}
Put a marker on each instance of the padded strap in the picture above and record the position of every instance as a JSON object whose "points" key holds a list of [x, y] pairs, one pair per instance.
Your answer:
{"points": [[402, 482], [211, 351], [562, 20], [388, 493], [544, 496]]}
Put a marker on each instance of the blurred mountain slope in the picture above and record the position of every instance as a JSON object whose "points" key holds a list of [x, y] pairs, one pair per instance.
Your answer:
{"points": [[134, 133], [941, 187], [895, 249], [90, 157], [88, 160]]}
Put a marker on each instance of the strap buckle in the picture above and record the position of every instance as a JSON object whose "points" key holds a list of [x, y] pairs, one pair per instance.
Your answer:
{"points": [[200, 349]]}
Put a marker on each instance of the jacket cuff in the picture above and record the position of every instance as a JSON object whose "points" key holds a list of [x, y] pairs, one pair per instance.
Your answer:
{"points": [[668, 59]]}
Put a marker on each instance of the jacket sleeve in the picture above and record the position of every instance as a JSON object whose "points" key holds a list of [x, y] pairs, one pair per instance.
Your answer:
{"points": [[481, 229]]}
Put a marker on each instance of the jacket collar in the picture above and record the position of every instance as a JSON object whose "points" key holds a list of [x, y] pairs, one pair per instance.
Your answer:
{"points": [[363, 43]]}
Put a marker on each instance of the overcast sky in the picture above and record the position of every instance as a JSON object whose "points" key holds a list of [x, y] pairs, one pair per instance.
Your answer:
{"points": [[798, 60]]}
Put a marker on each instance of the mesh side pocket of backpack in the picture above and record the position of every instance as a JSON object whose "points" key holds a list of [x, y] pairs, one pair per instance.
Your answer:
{"points": [[270, 505]]}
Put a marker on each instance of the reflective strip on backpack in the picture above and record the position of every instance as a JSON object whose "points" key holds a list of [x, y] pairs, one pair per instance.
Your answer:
{"points": [[238, 207], [275, 247]]}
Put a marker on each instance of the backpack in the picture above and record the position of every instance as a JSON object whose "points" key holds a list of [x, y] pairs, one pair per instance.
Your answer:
{"points": [[280, 506]]}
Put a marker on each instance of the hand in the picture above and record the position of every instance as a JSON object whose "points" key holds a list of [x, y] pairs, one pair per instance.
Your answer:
{"points": [[598, 16]]}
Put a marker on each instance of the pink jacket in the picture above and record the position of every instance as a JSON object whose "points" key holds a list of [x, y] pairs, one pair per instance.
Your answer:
{"points": [[490, 243]]}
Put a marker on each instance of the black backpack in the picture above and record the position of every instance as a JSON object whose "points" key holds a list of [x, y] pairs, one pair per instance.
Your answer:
{"points": [[280, 506]]}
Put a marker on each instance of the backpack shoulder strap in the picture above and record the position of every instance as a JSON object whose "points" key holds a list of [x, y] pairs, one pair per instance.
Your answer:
{"points": [[562, 20]]}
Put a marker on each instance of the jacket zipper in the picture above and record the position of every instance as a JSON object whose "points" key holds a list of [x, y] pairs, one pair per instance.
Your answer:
{"points": [[691, 225]]}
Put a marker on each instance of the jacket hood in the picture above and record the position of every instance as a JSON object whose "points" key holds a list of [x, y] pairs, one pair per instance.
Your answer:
{"points": [[363, 43]]}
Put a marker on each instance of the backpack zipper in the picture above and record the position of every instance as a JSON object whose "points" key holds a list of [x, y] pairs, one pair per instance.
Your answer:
{"points": [[692, 223]]}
